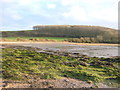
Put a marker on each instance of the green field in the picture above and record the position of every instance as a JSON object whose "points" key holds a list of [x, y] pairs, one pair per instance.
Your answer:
{"points": [[48, 38], [21, 64]]}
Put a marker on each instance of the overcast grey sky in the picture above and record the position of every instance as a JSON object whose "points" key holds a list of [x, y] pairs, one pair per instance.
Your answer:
{"points": [[23, 14]]}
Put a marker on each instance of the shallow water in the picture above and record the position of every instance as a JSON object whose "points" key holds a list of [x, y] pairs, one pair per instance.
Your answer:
{"points": [[92, 51]]}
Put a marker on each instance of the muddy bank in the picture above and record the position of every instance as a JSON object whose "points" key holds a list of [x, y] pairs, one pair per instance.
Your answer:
{"points": [[92, 50], [48, 51], [59, 53]]}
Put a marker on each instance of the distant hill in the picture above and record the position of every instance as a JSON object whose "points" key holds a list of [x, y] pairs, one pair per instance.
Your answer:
{"points": [[71, 31]]}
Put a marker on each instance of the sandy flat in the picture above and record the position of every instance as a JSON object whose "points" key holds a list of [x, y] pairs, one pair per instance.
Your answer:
{"points": [[94, 44]]}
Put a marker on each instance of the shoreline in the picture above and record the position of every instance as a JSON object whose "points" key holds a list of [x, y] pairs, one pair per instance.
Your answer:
{"points": [[64, 80], [89, 44]]}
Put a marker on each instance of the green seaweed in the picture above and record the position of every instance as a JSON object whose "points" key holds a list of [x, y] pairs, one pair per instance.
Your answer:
{"points": [[19, 63]]}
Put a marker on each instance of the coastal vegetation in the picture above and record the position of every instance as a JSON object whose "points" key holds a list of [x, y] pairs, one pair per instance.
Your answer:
{"points": [[21, 64], [99, 39]]}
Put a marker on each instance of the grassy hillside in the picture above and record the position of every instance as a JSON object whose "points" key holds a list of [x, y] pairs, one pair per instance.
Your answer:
{"points": [[68, 31]]}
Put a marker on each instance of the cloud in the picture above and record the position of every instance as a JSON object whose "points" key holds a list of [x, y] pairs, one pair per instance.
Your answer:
{"points": [[106, 14], [67, 2], [99, 10], [51, 5], [76, 13], [15, 15], [25, 13]]}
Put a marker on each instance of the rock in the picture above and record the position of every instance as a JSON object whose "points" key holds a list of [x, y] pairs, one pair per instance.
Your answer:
{"points": [[76, 53], [73, 87], [45, 83], [65, 75], [51, 86], [84, 64], [82, 59], [66, 80], [74, 84], [89, 82], [7, 81], [109, 63]]}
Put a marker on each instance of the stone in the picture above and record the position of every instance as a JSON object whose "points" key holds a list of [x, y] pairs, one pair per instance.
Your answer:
{"points": [[66, 80]]}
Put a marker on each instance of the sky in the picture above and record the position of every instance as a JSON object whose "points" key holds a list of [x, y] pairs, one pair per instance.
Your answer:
{"points": [[24, 14]]}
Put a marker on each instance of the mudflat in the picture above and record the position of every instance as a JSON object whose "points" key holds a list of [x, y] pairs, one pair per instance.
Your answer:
{"points": [[90, 49]]}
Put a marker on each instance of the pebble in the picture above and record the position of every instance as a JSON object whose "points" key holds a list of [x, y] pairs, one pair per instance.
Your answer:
{"points": [[66, 80], [74, 84]]}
